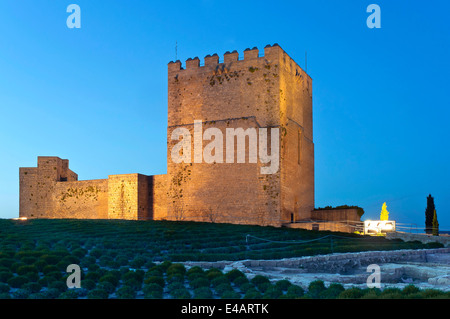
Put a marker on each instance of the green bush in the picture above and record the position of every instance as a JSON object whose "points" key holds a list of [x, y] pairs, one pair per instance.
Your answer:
{"points": [[14, 267], [252, 293], [230, 294], [315, 288], [93, 275], [264, 286], [176, 269], [50, 268], [4, 287], [235, 274], [110, 278], [138, 262], [194, 276], [221, 288], [164, 265], [199, 282], [7, 262], [239, 281], [69, 294], [295, 291], [105, 261], [121, 260], [79, 252], [87, 261], [94, 267], [155, 280], [5, 275], [194, 270], [154, 271], [220, 280], [17, 282], [410, 289], [283, 285], [52, 293], [88, 284], [174, 286], [28, 260], [258, 280], [137, 275], [175, 278], [246, 286], [371, 293], [21, 294], [40, 264], [133, 284], [22, 270], [272, 292], [32, 276], [391, 293], [213, 273], [202, 293], [126, 292], [152, 291], [107, 286], [33, 287], [68, 260], [432, 294], [181, 293], [96, 253], [351, 293], [50, 259], [60, 285], [97, 294], [5, 295], [332, 292]]}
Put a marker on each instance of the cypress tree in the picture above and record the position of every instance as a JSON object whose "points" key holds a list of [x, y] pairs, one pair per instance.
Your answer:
{"points": [[384, 215], [435, 225], [429, 212]]}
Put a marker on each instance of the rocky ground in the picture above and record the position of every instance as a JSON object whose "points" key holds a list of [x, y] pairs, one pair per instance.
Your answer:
{"points": [[424, 268]]}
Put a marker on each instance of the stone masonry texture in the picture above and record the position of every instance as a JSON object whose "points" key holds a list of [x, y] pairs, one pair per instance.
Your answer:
{"points": [[260, 91]]}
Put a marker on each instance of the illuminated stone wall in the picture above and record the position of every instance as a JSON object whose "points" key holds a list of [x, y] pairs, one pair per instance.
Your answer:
{"points": [[255, 92]]}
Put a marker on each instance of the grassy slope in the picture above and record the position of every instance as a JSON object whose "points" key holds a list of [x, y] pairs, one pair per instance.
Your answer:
{"points": [[181, 241]]}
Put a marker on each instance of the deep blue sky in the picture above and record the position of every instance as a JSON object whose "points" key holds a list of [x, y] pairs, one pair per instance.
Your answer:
{"points": [[98, 95]]}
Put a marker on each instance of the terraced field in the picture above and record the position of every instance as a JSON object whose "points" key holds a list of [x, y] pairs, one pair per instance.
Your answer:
{"points": [[137, 259]]}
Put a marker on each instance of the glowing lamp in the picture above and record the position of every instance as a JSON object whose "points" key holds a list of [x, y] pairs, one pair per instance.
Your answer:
{"points": [[374, 227]]}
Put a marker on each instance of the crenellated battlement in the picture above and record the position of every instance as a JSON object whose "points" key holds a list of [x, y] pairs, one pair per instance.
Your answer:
{"points": [[271, 53]]}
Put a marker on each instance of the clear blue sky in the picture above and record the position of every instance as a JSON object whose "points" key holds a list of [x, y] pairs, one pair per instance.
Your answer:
{"points": [[98, 95]]}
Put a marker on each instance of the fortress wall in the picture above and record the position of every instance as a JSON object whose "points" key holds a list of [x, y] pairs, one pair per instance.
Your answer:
{"points": [[337, 214], [297, 147], [28, 188], [37, 186], [254, 92], [80, 199], [235, 89], [158, 196], [273, 91], [123, 196], [222, 192]]}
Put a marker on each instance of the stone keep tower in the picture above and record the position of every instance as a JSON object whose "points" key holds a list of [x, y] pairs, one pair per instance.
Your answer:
{"points": [[269, 91]]}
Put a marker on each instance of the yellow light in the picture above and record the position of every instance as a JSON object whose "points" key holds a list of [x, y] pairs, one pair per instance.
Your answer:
{"points": [[20, 218], [378, 226]]}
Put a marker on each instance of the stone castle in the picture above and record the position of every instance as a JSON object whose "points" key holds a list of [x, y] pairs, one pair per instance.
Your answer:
{"points": [[258, 91]]}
